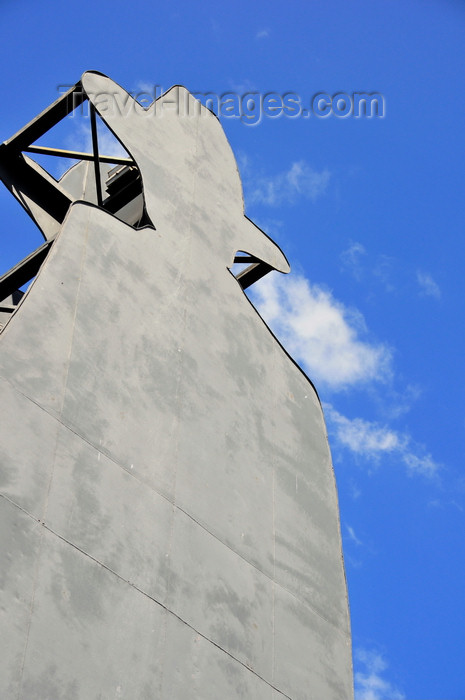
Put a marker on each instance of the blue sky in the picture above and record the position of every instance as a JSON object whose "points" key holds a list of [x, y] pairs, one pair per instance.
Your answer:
{"points": [[370, 214]]}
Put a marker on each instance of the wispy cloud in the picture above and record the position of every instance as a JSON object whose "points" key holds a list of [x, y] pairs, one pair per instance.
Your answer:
{"points": [[354, 490], [428, 287], [387, 271], [393, 403], [371, 440], [146, 92], [80, 139], [300, 181], [320, 332], [361, 264], [353, 536], [331, 342], [370, 680], [263, 33], [109, 145], [351, 259], [392, 274], [242, 88]]}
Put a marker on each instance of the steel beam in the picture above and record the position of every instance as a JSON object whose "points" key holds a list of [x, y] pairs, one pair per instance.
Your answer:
{"points": [[98, 181], [24, 271], [252, 273], [47, 119], [76, 155], [17, 173]]}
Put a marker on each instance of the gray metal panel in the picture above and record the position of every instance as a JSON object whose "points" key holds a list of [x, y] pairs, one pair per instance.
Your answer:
{"points": [[312, 657], [103, 510], [110, 635], [233, 600], [36, 342], [27, 447], [20, 542], [175, 454], [197, 670]]}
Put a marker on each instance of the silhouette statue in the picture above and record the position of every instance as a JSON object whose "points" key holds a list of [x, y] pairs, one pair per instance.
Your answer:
{"points": [[169, 512]]}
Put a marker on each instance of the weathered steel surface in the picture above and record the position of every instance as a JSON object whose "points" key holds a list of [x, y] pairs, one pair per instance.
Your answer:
{"points": [[169, 519]]}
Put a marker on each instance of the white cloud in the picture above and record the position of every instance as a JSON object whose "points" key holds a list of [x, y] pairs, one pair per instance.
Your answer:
{"points": [[109, 145], [394, 404], [285, 188], [422, 464], [327, 339], [320, 332], [369, 681], [145, 86], [353, 536], [363, 437], [145, 92], [80, 139], [386, 271], [263, 33], [351, 259], [428, 287], [242, 88], [371, 441], [354, 490]]}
